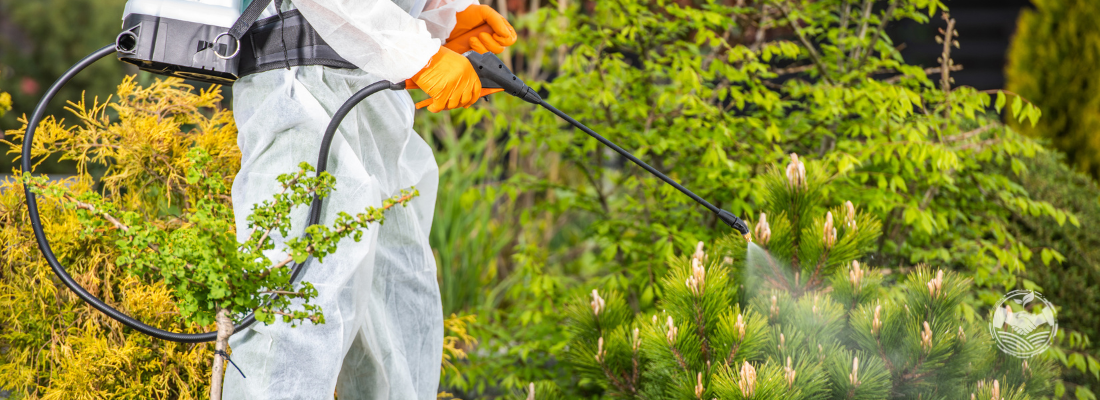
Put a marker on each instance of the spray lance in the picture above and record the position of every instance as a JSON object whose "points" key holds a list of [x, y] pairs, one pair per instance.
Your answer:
{"points": [[156, 51]]}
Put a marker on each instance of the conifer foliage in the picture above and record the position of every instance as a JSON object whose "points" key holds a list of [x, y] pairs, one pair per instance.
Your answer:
{"points": [[794, 314]]}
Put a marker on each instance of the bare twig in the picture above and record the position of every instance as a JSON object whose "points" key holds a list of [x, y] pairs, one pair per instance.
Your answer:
{"points": [[842, 33], [882, 25], [793, 70], [929, 71], [928, 195], [862, 28], [979, 144], [968, 135], [945, 72], [313, 319], [945, 58], [283, 292], [114, 221], [761, 28]]}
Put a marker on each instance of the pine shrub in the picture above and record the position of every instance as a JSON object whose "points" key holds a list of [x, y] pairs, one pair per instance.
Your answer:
{"points": [[795, 315]]}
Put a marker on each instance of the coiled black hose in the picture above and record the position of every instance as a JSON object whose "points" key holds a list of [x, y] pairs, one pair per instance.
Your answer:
{"points": [[59, 270], [491, 71]]}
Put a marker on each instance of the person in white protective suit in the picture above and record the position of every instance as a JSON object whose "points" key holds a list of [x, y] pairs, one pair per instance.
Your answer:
{"points": [[383, 335]]}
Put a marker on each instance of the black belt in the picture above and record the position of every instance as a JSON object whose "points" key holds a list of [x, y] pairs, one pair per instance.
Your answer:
{"points": [[284, 41]]}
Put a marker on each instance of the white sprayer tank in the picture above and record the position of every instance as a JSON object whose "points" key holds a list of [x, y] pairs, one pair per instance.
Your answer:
{"points": [[207, 12], [182, 38]]}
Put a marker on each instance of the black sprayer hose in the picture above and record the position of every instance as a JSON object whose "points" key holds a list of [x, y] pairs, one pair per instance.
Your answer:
{"points": [[330, 133], [724, 215], [629, 156], [494, 74], [59, 270]]}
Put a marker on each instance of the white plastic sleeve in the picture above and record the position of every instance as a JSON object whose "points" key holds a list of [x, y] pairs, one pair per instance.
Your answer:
{"points": [[439, 16], [376, 35]]}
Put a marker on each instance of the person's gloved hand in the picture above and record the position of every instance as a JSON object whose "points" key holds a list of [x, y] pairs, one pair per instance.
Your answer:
{"points": [[494, 33], [450, 79]]}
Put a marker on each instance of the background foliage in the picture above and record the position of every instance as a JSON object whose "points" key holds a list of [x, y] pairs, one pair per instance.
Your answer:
{"points": [[41, 39], [1051, 63]]}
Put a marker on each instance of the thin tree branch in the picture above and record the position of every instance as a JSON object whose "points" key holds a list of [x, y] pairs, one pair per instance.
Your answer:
{"points": [[862, 29], [882, 25], [968, 135], [842, 33], [928, 71], [809, 46]]}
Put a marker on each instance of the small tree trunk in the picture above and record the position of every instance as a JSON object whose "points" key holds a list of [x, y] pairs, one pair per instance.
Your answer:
{"points": [[217, 375]]}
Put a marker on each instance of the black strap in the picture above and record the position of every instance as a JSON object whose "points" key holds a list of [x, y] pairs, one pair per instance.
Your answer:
{"points": [[244, 23], [226, 355], [282, 39], [289, 39], [248, 17]]}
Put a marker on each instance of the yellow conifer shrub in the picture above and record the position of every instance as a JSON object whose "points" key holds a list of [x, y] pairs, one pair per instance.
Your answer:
{"points": [[52, 345]]}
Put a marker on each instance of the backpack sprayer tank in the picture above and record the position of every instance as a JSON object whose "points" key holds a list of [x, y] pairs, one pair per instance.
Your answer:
{"points": [[182, 38]]}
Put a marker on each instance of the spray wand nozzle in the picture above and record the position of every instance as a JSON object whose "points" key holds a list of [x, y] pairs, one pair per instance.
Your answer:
{"points": [[495, 75]]}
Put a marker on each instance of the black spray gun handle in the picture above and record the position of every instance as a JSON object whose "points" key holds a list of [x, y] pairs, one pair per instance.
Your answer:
{"points": [[495, 75]]}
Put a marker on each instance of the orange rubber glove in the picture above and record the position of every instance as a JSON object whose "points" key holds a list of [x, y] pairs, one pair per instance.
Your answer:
{"points": [[450, 79], [501, 35]]}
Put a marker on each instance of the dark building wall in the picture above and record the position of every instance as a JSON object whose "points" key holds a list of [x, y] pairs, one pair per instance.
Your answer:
{"points": [[985, 30]]}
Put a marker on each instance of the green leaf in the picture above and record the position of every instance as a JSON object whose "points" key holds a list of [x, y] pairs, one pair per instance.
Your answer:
{"points": [[1000, 103], [1083, 393], [1094, 366], [1033, 114], [1047, 256], [1078, 361], [1017, 103], [1030, 285]]}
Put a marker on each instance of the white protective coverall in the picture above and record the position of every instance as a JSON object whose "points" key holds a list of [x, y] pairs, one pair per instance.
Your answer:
{"points": [[383, 335]]}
